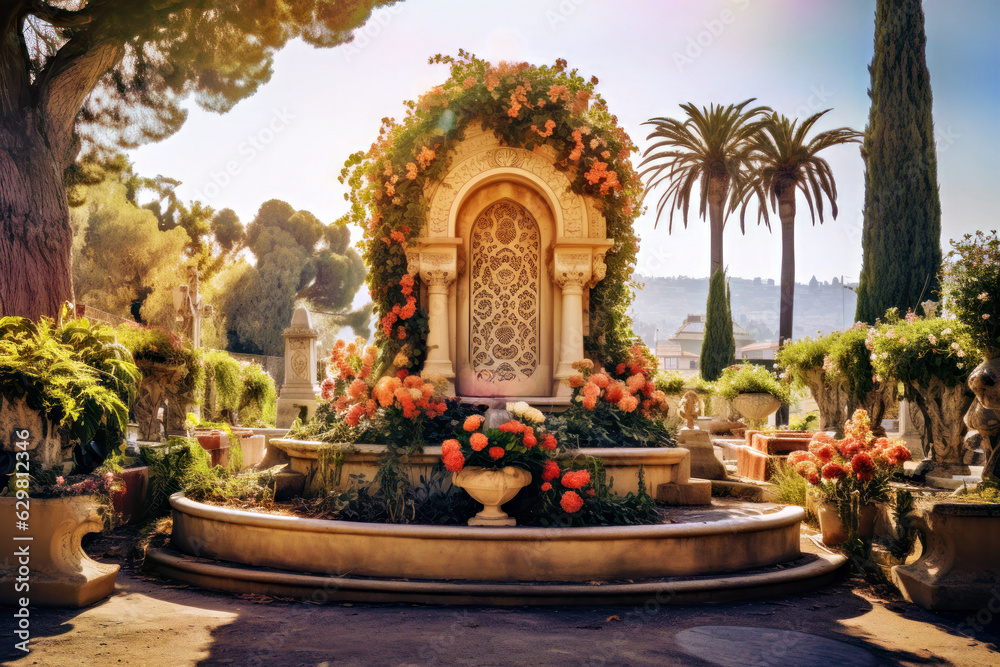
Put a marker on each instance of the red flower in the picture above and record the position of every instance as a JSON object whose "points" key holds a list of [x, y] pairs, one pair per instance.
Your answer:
{"points": [[834, 471], [473, 423], [497, 452], [550, 470], [571, 502], [620, 369], [530, 441], [402, 373], [863, 466], [576, 479], [546, 486], [478, 442], [550, 442], [823, 451]]}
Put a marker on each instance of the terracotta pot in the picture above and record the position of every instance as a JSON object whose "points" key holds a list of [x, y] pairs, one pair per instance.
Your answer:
{"points": [[130, 500], [492, 487], [833, 529], [61, 573], [756, 406]]}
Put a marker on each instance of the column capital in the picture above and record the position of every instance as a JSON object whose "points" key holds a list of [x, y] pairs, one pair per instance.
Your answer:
{"points": [[578, 263], [436, 261]]}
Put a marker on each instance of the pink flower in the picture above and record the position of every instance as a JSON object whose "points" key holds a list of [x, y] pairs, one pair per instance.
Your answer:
{"points": [[60, 480]]}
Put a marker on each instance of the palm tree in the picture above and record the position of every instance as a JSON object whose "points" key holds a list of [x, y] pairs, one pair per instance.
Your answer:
{"points": [[707, 148], [783, 161]]}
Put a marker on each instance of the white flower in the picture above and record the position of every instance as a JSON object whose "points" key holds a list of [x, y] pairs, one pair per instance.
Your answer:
{"points": [[931, 339], [986, 316], [961, 353], [960, 365], [947, 332], [983, 297], [890, 334], [525, 412]]}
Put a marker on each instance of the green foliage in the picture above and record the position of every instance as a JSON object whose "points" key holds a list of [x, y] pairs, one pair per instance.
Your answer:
{"points": [[385, 200], [670, 383], [718, 349], [259, 402], [800, 357], [73, 373], [223, 386], [156, 346], [789, 487], [902, 213], [751, 379], [972, 289], [607, 426], [807, 422], [850, 360], [912, 352]]}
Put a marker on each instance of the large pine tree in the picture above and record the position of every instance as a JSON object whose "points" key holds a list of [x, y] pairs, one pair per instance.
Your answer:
{"points": [[902, 215], [718, 349]]}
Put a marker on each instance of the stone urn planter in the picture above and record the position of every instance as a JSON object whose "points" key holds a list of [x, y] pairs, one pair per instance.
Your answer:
{"points": [[832, 527], [49, 445], [756, 407], [960, 565], [492, 487], [160, 407], [943, 409], [59, 572], [984, 414]]}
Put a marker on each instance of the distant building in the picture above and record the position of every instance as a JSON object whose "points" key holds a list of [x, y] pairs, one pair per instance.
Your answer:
{"points": [[765, 350], [683, 351]]}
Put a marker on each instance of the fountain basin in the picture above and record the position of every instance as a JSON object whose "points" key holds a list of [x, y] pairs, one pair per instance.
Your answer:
{"points": [[521, 554]]}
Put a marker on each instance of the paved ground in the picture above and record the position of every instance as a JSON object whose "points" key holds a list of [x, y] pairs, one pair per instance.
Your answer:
{"points": [[154, 623]]}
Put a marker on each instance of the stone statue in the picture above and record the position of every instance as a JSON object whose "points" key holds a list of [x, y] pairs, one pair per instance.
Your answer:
{"points": [[984, 415], [689, 408]]}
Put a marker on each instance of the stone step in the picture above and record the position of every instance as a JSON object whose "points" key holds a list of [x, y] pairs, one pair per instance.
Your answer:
{"points": [[809, 572]]}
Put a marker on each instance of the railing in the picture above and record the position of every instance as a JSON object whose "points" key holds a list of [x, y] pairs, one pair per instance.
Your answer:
{"points": [[98, 315]]}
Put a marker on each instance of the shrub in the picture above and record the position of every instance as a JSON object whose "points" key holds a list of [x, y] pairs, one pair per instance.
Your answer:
{"points": [[805, 355], [972, 289], [670, 383], [718, 349], [751, 379], [912, 351], [259, 402], [74, 374]]}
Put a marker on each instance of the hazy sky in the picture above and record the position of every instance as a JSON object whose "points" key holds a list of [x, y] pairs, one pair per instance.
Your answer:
{"points": [[290, 140]]}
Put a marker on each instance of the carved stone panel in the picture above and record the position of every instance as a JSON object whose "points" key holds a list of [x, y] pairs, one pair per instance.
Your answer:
{"points": [[505, 296]]}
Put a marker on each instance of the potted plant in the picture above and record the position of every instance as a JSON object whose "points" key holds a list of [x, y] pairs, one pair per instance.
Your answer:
{"points": [[493, 464], [930, 357], [754, 391], [849, 477]]}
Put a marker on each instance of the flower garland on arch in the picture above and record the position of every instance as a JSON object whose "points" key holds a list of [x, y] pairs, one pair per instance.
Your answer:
{"points": [[525, 106]]}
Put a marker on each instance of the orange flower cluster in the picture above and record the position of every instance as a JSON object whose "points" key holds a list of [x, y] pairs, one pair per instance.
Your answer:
{"points": [[557, 93], [859, 456], [598, 172], [519, 98], [401, 312], [411, 394], [634, 392], [550, 126], [568, 486], [529, 437]]}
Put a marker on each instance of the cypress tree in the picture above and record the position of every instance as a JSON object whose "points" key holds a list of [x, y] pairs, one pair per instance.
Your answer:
{"points": [[902, 214], [718, 349]]}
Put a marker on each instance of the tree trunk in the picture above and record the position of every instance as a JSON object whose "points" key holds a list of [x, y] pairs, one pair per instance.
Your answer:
{"points": [[786, 211], [944, 410], [718, 187], [830, 397], [35, 235]]}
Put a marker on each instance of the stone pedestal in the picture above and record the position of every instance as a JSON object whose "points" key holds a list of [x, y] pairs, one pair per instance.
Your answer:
{"points": [[300, 387], [704, 463]]}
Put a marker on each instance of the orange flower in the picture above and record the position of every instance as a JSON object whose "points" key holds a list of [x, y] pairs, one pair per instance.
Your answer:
{"points": [[576, 479], [450, 445], [550, 470], [546, 486], [571, 502], [497, 452], [425, 156], [576, 381], [411, 171], [557, 93], [628, 403], [614, 392], [478, 442], [601, 379], [530, 441], [472, 423], [454, 461], [492, 81], [550, 442], [589, 402], [357, 389], [469, 82]]}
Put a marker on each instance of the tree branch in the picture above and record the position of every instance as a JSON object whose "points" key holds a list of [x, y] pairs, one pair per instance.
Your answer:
{"points": [[67, 80], [59, 18], [15, 81]]}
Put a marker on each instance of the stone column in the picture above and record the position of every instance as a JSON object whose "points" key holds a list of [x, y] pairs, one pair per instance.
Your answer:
{"points": [[300, 387], [436, 262], [575, 264]]}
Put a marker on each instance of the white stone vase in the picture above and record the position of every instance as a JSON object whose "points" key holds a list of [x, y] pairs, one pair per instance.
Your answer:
{"points": [[756, 407], [492, 487], [61, 573]]}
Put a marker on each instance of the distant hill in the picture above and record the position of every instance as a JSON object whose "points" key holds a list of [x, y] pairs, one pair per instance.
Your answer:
{"points": [[819, 306]]}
